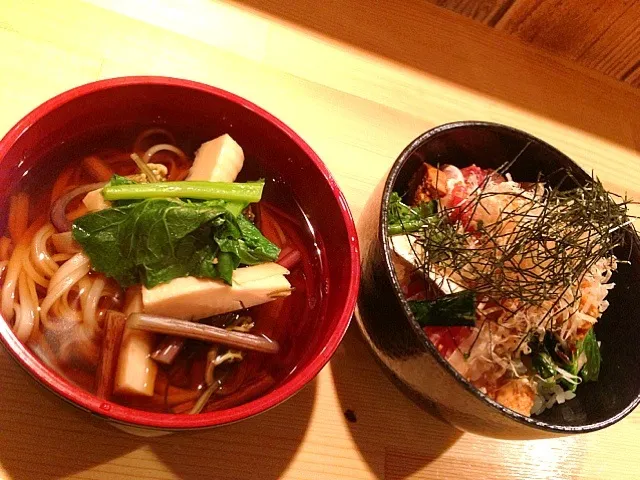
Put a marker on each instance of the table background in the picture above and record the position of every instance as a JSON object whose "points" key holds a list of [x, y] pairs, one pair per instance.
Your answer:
{"points": [[357, 80], [603, 35]]}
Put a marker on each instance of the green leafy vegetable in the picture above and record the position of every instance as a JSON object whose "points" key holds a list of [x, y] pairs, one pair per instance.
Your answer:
{"points": [[405, 219], [454, 310], [584, 361], [120, 180], [589, 346], [242, 239], [155, 240], [544, 365], [550, 360]]}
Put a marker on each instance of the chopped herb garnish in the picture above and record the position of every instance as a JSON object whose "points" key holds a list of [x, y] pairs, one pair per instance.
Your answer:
{"points": [[405, 219]]}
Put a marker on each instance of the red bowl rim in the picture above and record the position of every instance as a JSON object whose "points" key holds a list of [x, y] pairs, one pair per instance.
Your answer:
{"points": [[130, 416]]}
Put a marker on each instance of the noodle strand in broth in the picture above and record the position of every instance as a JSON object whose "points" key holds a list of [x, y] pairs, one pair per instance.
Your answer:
{"points": [[57, 305]]}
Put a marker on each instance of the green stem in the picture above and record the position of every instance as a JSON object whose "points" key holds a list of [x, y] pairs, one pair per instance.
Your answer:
{"points": [[406, 227], [240, 192], [235, 208]]}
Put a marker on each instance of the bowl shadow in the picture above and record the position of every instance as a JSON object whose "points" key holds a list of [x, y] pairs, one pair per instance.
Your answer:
{"points": [[40, 433], [69, 441], [394, 436], [259, 447]]}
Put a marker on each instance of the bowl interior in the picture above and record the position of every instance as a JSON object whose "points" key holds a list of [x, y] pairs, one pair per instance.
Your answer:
{"points": [[487, 145], [111, 114]]}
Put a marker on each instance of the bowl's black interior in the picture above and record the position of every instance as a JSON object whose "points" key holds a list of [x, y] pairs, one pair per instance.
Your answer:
{"points": [[487, 145]]}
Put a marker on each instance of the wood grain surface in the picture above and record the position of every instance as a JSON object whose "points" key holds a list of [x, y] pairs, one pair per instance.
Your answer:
{"points": [[599, 34], [358, 82], [488, 12]]}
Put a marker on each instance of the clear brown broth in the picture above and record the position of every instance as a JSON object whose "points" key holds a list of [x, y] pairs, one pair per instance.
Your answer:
{"points": [[291, 321]]}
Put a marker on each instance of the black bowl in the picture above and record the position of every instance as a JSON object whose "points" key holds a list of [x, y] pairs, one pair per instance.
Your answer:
{"points": [[410, 358]]}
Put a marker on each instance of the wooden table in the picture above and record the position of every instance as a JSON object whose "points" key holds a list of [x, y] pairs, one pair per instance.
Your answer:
{"points": [[358, 82]]}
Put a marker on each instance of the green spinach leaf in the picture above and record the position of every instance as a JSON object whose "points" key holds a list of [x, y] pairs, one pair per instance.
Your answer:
{"points": [[243, 239], [153, 241], [454, 310], [548, 356], [544, 364], [589, 346]]}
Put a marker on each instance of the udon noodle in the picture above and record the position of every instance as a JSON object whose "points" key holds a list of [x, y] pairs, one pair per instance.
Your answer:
{"points": [[56, 303], [48, 289]]}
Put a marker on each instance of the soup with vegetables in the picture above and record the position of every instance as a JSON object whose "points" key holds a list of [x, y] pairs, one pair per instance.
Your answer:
{"points": [[156, 280]]}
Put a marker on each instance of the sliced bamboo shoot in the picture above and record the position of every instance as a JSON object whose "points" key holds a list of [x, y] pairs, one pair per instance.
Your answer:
{"points": [[94, 201], [136, 374], [218, 160], [191, 298]]}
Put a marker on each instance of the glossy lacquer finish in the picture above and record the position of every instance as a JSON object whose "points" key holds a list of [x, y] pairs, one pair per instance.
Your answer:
{"points": [[79, 119], [412, 361]]}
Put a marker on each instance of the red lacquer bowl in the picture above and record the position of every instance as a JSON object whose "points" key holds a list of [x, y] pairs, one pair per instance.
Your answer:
{"points": [[77, 119]]}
